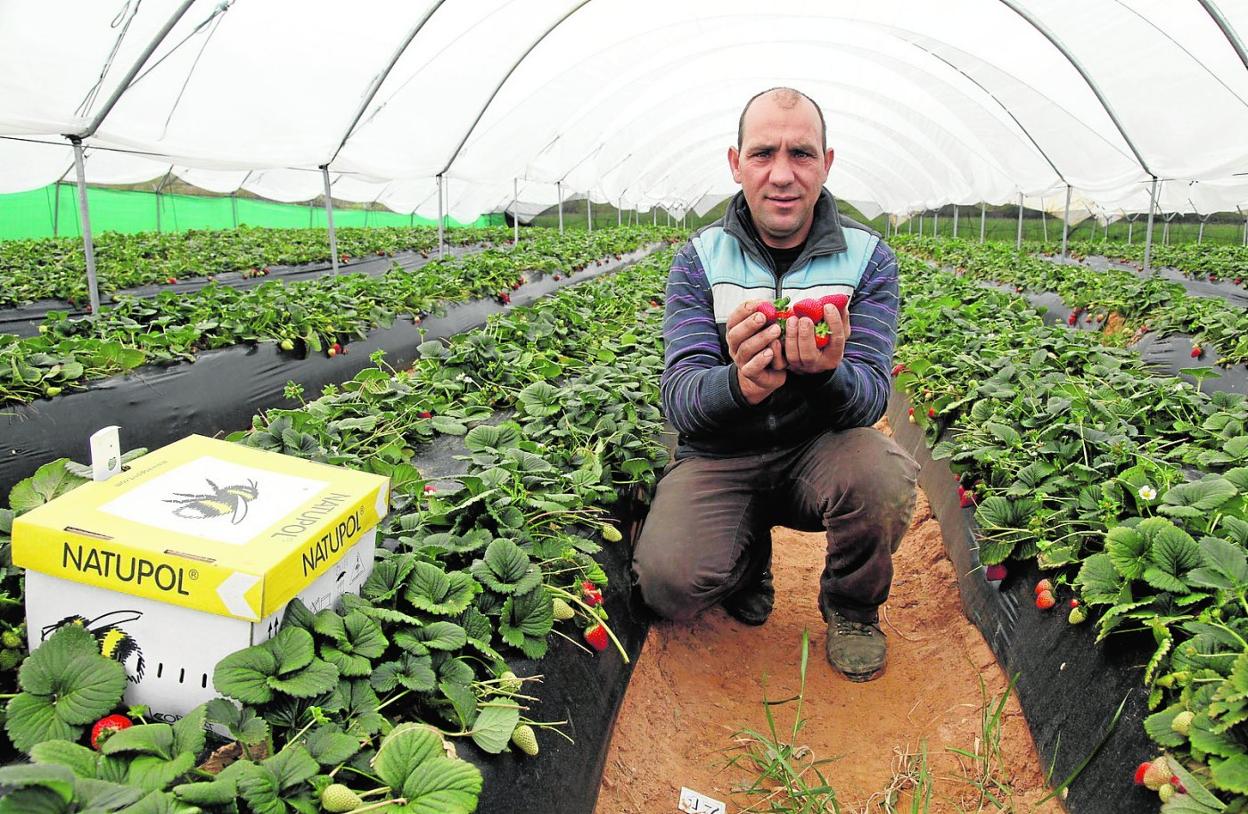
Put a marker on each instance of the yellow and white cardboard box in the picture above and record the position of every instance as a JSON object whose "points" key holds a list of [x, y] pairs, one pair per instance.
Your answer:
{"points": [[193, 553]]}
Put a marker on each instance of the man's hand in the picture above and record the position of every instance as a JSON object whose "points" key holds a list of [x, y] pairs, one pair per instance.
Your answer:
{"points": [[801, 354], [755, 348]]}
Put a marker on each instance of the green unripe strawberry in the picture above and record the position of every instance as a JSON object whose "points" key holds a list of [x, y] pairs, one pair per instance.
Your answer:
{"points": [[1166, 792], [1182, 722], [562, 609], [11, 639], [51, 392], [337, 799], [287, 344], [9, 659], [509, 682], [611, 534], [525, 739], [1078, 615]]}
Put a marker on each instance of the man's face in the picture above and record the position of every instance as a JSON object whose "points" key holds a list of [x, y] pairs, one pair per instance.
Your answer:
{"points": [[781, 167]]}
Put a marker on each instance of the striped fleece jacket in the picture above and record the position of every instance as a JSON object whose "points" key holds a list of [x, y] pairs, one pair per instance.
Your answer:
{"points": [[726, 263]]}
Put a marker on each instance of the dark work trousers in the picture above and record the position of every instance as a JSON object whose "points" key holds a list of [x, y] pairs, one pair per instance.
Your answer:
{"points": [[709, 529]]}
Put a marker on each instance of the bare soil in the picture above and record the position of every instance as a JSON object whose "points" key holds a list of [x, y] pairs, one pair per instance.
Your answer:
{"points": [[697, 684]]}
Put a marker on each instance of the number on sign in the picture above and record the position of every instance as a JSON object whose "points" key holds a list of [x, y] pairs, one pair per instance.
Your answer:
{"points": [[691, 802]]}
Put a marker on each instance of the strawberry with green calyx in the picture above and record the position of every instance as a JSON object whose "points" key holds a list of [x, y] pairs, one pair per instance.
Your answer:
{"points": [[772, 310], [106, 727], [1078, 615], [287, 345], [591, 593], [1182, 723], [11, 639], [596, 635], [1045, 600], [1167, 792], [525, 739], [611, 534], [823, 335]]}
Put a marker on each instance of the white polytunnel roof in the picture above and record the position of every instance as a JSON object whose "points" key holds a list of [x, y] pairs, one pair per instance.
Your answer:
{"points": [[632, 102]]}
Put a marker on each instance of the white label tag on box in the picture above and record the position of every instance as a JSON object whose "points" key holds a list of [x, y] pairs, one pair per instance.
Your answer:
{"points": [[105, 453], [691, 802]]}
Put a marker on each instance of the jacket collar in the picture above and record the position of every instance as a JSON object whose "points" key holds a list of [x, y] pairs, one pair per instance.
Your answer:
{"points": [[826, 236]]}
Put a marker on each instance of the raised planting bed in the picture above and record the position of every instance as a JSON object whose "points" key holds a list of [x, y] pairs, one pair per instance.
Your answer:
{"points": [[309, 316], [474, 553], [223, 388], [1128, 491], [55, 268]]}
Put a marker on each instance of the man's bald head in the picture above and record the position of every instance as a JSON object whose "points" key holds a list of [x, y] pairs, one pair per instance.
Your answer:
{"points": [[786, 98]]}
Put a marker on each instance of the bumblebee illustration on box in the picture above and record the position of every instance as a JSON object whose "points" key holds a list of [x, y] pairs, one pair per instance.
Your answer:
{"points": [[115, 643], [221, 501]]}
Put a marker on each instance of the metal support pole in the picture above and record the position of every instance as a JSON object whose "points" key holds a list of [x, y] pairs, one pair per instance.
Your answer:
{"points": [[955, 222], [234, 207], [1130, 229], [1018, 243], [920, 224], [910, 225], [158, 211], [515, 208], [1246, 230], [1148, 237], [1106, 230], [667, 216], [654, 216], [983, 209], [329, 219], [936, 223], [1066, 223], [559, 191], [56, 211], [1165, 232], [88, 246], [1200, 235], [589, 213], [619, 213], [441, 223]]}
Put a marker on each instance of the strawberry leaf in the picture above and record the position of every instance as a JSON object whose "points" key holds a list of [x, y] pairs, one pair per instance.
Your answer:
{"points": [[410, 671], [506, 569], [1231, 774], [435, 591], [329, 745], [1127, 550], [387, 578], [526, 620], [411, 761], [1099, 582], [1193, 500], [494, 725]]}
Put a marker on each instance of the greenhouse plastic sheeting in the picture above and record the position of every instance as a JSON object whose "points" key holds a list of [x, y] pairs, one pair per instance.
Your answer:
{"points": [[1070, 687], [631, 100], [33, 214]]}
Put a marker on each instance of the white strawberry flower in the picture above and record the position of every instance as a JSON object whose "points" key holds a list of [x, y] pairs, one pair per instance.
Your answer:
{"points": [[1147, 492]]}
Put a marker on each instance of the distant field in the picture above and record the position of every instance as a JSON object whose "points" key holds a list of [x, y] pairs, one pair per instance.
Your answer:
{"points": [[995, 228]]}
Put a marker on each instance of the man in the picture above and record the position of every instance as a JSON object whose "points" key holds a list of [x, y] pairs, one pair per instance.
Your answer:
{"points": [[777, 430]]}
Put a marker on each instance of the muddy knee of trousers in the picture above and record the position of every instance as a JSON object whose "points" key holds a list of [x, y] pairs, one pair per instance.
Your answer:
{"points": [[881, 485], [674, 592]]}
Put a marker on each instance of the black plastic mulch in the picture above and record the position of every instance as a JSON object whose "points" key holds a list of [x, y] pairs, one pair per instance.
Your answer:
{"points": [[222, 389], [1069, 687]]}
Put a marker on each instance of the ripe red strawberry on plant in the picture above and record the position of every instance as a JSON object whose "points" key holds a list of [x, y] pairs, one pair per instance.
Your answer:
{"points": [[597, 637], [1045, 600], [1196, 351], [106, 727], [591, 594]]}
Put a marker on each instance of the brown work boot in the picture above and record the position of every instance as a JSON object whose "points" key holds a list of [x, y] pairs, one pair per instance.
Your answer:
{"points": [[856, 649], [752, 605]]}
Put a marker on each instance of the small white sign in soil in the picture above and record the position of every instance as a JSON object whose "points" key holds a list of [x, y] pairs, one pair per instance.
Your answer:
{"points": [[691, 802]]}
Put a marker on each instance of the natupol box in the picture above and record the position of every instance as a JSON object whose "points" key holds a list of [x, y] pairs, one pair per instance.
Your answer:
{"points": [[192, 553]]}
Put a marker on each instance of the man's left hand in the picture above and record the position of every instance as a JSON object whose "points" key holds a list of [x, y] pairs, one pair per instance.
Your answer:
{"points": [[800, 351]]}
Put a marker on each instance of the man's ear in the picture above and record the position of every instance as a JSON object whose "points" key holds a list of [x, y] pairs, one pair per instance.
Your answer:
{"points": [[827, 160], [734, 163]]}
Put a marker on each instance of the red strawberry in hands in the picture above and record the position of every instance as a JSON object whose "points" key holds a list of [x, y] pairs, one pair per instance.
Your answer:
{"points": [[811, 309], [823, 335], [777, 309], [839, 301]]}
